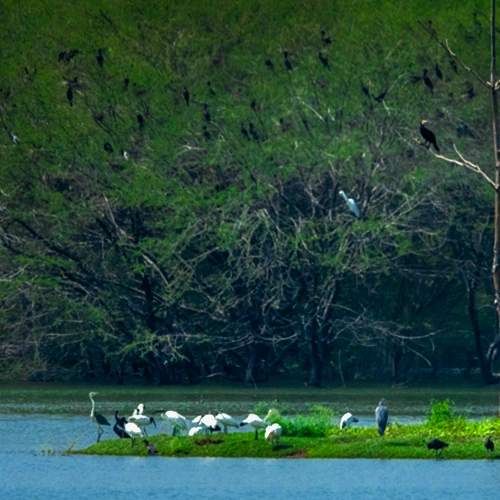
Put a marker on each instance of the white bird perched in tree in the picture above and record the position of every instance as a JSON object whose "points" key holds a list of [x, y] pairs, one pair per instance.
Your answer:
{"points": [[256, 422], [226, 420], [177, 421], [273, 433], [97, 418], [142, 421], [14, 137], [347, 420], [351, 203]]}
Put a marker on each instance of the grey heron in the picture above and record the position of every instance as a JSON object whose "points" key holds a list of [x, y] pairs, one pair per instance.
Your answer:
{"points": [[381, 416], [152, 451], [347, 420], [273, 433], [97, 418], [438, 445], [351, 203]]}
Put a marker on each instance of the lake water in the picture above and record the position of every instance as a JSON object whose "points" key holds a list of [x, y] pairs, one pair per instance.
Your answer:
{"points": [[38, 421]]}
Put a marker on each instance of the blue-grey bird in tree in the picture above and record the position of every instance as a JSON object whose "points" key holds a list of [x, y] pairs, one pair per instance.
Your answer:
{"points": [[351, 203], [97, 418], [381, 416]]}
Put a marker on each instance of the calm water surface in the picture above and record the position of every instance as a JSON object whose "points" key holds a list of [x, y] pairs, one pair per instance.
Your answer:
{"points": [[39, 420]]}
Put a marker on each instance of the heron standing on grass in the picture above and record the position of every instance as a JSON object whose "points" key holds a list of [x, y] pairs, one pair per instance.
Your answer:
{"points": [[97, 418], [381, 416]]}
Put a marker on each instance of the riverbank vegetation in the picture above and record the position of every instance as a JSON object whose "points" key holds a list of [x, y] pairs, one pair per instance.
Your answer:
{"points": [[312, 436], [170, 176]]}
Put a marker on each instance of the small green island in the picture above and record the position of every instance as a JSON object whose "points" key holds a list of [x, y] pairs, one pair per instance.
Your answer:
{"points": [[312, 436]]}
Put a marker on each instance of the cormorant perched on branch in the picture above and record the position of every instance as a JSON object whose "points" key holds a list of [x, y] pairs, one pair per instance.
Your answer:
{"points": [[244, 131], [107, 147], [453, 64], [140, 121], [324, 60], [428, 81], [206, 133], [269, 64], [439, 73], [365, 90], [69, 95], [428, 136], [185, 94], [326, 41], [206, 113], [288, 64], [381, 97], [100, 58]]}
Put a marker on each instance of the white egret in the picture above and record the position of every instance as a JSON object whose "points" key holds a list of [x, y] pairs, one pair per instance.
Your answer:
{"points": [[347, 420], [14, 137], [273, 433], [254, 421], [381, 416], [351, 203], [97, 418], [227, 421]]}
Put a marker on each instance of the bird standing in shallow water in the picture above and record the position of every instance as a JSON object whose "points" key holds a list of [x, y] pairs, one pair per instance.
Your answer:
{"points": [[351, 203], [428, 136], [438, 445], [381, 416], [489, 445], [97, 418]]}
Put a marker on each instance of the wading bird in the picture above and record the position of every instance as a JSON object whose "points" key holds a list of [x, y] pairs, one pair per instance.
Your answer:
{"points": [[140, 407], [347, 420], [256, 422], [227, 421], [142, 421], [177, 421], [273, 433], [119, 427], [97, 418], [490, 445], [133, 430], [438, 445], [152, 451], [428, 136], [381, 416], [351, 203]]}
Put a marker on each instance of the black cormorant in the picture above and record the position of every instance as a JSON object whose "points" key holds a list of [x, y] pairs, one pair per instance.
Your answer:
{"points": [[428, 136]]}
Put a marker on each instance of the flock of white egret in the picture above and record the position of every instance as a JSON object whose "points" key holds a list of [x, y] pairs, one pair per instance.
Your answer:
{"points": [[135, 426]]}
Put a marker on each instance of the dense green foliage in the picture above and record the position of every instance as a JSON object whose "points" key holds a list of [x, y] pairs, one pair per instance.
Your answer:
{"points": [[213, 253]]}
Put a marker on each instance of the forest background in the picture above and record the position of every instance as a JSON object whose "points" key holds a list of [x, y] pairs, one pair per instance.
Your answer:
{"points": [[169, 191]]}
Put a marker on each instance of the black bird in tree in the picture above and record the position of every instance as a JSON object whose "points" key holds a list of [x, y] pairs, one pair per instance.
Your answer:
{"points": [[269, 64], [453, 64], [428, 81], [185, 94], [326, 40], [100, 58], [152, 451], [470, 90], [69, 95], [288, 64], [438, 445], [253, 106], [126, 81], [365, 90], [244, 131], [140, 121], [206, 113], [324, 60], [107, 147], [211, 92], [489, 445], [253, 132], [206, 133], [428, 136], [381, 97], [62, 56], [439, 73]]}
